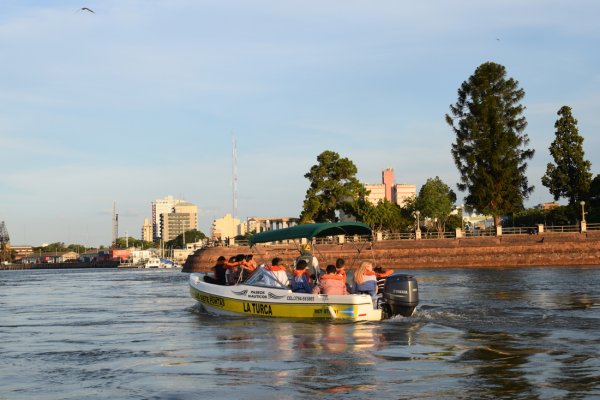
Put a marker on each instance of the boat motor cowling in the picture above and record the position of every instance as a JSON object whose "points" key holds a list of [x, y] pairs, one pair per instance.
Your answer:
{"points": [[400, 295]]}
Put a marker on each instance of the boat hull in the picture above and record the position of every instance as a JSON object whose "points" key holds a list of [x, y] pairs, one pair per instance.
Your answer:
{"points": [[268, 302]]}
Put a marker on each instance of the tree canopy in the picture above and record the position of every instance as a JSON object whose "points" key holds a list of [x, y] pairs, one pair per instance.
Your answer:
{"points": [[127, 242], [191, 236], [489, 150], [594, 198], [384, 216], [333, 188], [570, 175], [436, 201]]}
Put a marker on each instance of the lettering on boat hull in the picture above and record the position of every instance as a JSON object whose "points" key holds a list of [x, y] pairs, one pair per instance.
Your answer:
{"points": [[258, 308], [211, 300]]}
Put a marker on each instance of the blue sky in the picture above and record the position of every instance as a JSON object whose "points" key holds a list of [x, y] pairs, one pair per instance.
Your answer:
{"points": [[140, 99]]}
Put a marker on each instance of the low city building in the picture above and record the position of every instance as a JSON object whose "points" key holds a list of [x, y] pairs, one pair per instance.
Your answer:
{"points": [[50, 258], [227, 227], [547, 206]]}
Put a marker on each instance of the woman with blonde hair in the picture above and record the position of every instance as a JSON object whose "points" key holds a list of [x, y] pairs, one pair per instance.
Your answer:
{"points": [[365, 280]]}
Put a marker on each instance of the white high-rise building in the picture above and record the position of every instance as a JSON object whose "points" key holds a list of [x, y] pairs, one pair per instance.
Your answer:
{"points": [[161, 206], [170, 217]]}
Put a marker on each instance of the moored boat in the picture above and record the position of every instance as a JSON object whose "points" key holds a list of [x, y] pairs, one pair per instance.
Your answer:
{"points": [[263, 295]]}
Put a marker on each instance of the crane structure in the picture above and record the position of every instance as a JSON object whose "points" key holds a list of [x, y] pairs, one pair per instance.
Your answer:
{"points": [[4, 243]]}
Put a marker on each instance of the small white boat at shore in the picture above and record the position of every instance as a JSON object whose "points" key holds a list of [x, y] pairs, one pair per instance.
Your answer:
{"points": [[157, 262]]}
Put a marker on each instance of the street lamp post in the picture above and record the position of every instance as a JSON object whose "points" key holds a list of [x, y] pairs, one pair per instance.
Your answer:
{"points": [[583, 223], [418, 230]]}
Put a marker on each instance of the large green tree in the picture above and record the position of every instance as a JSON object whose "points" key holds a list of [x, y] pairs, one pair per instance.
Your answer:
{"points": [[333, 188], [570, 175], [436, 202], [191, 236], [384, 216], [594, 200], [490, 149]]}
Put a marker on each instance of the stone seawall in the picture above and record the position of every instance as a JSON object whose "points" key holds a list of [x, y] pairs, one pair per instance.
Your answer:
{"points": [[555, 249], [69, 265]]}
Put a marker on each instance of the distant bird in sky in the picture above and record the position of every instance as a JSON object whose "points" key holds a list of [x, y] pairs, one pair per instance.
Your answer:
{"points": [[87, 9]]}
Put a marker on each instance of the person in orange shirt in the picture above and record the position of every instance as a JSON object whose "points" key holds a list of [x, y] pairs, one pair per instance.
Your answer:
{"points": [[250, 264], [382, 273], [246, 267], [331, 283]]}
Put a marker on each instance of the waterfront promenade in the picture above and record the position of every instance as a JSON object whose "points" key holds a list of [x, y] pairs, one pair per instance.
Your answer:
{"points": [[548, 249]]}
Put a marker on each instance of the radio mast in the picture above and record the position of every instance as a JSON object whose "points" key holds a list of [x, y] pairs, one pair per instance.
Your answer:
{"points": [[234, 175], [115, 225]]}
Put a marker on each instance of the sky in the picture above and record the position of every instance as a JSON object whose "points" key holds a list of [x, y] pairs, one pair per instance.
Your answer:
{"points": [[141, 99]]}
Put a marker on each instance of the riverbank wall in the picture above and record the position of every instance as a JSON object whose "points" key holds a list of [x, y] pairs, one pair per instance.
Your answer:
{"points": [[69, 265], [509, 251]]}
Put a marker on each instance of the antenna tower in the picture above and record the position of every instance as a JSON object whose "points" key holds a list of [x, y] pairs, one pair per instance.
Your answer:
{"points": [[234, 175], [115, 225]]}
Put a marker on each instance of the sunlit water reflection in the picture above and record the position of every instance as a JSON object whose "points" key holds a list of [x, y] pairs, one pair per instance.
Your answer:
{"points": [[136, 334]]}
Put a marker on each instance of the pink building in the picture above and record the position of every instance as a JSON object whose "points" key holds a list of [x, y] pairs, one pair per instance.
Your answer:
{"points": [[389, 190]]}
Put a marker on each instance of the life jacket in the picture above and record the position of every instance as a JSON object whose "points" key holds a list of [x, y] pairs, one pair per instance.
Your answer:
{"points": [[333, 276], [300, 282], [275, 268]]}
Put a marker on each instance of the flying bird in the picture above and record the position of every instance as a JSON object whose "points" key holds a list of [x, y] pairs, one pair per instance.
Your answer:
{"points": [[87, 9]]}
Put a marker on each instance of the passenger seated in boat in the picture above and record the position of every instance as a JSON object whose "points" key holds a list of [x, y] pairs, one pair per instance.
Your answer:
{"points": [[381, 273], [219, 271], [331, 283], [340, 269], [238, 267], [278, 270], [300, 280], [250, 264], [246, 267], [232, 275], [311, 260], [365, 280]]}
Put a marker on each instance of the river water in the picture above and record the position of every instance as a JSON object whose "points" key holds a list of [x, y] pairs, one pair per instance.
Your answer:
{"points": [[530, 333]]}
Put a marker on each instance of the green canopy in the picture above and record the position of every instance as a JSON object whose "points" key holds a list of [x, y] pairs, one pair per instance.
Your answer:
{"points": [[310, 231]]}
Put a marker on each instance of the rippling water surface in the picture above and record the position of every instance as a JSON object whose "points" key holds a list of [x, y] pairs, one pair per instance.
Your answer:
{"points": [[136, 334]]}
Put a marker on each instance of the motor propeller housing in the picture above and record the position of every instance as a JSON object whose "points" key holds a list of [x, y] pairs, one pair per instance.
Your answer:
{"points": [[400, 295]]}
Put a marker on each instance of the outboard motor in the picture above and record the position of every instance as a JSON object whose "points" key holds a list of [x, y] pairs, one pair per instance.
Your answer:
{"points": [[400, 296]]}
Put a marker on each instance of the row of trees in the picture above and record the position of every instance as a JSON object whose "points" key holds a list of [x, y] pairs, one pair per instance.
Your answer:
{"points": [[191, 236], [490, 152]]}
